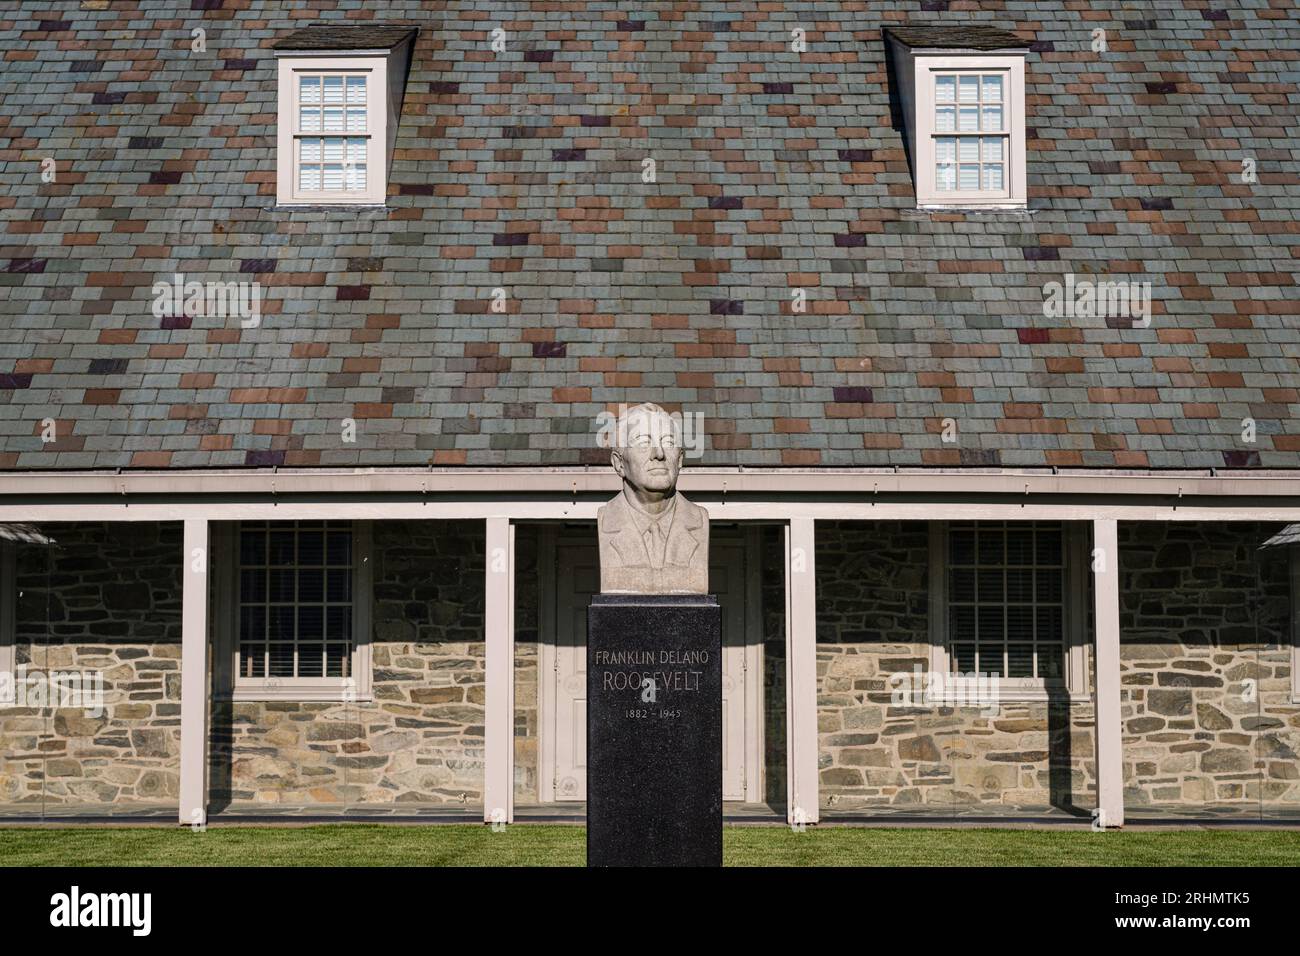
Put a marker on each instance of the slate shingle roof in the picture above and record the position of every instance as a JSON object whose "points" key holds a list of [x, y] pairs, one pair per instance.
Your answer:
{"points": [[522, 170]]}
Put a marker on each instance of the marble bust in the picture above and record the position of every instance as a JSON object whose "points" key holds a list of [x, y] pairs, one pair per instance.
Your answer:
{"points": [[652, 540]]}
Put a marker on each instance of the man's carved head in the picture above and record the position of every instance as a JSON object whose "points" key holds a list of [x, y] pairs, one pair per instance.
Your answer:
{"points": [[647, 452]]}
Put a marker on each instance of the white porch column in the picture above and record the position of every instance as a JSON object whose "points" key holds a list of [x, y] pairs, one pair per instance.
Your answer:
{"points": [[801, 671], [499, 628], [1110, 745], [194, 673]]}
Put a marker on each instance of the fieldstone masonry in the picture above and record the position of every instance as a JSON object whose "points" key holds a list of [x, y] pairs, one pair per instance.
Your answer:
{"points": [[106, 598], [1209, 720], [421, 739]]}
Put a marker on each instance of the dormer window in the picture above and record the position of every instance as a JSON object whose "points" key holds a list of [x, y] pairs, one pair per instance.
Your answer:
{"points": [[340, 96], [962, 92]]}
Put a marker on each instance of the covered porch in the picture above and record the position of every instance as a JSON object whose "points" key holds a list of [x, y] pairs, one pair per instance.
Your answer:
{"points": [[1173, 699]]}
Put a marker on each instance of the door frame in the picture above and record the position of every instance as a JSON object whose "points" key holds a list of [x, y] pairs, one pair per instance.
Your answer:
{"points": [[551, 537]]}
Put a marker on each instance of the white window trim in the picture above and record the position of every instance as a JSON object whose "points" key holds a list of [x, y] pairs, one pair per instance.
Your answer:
{"points": [[1018, 689], [1295, 622], [374, 66], [355, 689], [1012, 65], [8, 612]]}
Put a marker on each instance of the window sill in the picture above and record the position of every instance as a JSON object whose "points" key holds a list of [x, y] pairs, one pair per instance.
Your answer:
{"points": [[300, 694], [330, 207]]}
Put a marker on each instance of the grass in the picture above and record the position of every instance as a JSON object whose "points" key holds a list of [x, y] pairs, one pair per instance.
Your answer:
{"points": [[529, 845]]}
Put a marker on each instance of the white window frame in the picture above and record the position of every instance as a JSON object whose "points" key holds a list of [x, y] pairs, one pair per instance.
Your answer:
{"points": [[373, 66], [1020, 689], [358, 688], [1294, 571], [1014, 195], [8, 617]]}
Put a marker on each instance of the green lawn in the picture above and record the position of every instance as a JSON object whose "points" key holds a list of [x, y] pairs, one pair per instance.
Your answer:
{"points": [[529, 845]]}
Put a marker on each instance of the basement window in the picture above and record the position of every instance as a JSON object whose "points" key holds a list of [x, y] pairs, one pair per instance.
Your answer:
{"points": [[340, 100], [962, 95]]}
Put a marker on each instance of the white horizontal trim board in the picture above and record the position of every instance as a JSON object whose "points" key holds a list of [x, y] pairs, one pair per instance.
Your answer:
{"points": [[526, 510], [516, 482]]}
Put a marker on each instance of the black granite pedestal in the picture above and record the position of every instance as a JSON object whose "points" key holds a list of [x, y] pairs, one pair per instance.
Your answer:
{"points": [[654, 730]]}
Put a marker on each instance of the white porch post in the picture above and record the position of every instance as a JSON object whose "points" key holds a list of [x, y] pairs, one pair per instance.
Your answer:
{"points": [[1110, 747], [499, 628], [194, 673], [801, 671]]}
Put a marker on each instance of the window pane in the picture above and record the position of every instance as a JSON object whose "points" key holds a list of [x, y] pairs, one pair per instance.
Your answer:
{"points": [[990, 586], [945, 149], [970, 89], [991, 541], [311, 584], [332, 177], [333, 119], [356, 119], [309, 89], [339, 588], [309, 150], [252, 586], [333, 151], [311, 622], [992, 147], [945, 89], [309, 178], [281, 660], [356, 89], [963, 585], [309, 119], [963, 658], [281, 591], [961, 547], [355, 178], [962, 624], [945, 177], [338, 623], [252, 546], [945, 119], [992, 177], [340, 548], [252, 623], [1020, 622], [311, 660], [1051, 661], [968, 150], [1020, 660], [281, 542], [333, 89], [356, 149], [992, 89], [1020, 584], [992, 118], [311, 547], [969, 122]]}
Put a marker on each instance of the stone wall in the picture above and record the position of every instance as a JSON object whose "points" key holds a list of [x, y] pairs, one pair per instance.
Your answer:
{"points": [[106, 598], [1206, 667], [421, 739], [873, 622], [526, 663]]}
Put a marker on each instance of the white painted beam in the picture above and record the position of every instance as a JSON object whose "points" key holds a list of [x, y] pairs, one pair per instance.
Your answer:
{"points": [[1109, 733], [499, 703], [801, 671], [344, 508], [194, 673], [523, 482]]}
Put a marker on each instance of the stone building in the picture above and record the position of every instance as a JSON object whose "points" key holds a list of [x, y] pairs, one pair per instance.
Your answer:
{"points": [[980, 325]]}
